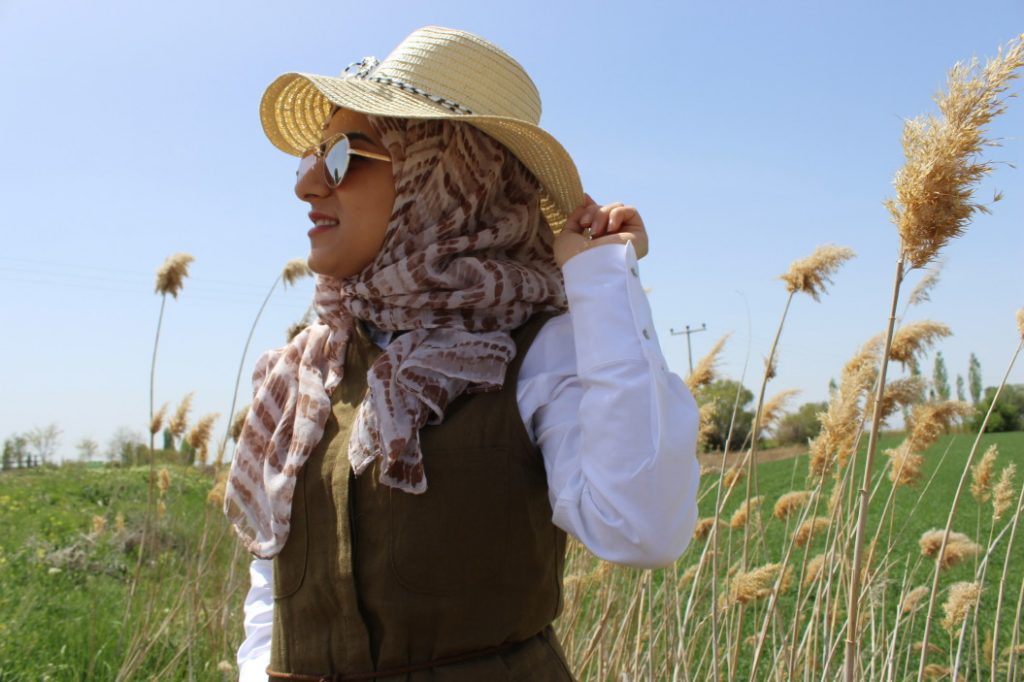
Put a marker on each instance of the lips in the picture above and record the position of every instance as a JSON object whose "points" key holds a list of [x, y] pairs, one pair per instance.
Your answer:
{"points": [[321, 222]]}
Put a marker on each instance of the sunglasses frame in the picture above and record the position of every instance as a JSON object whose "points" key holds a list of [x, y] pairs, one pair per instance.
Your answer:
{"points": [[320, 152]]}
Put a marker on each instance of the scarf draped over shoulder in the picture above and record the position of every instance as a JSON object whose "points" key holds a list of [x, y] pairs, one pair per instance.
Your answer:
{"points": [[466, 258]]}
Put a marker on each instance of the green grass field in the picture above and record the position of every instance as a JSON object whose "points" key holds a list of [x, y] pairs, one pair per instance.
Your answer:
{"points": [[64, 583]]}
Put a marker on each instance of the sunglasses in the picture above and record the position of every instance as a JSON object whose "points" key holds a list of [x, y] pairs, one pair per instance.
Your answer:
{"points": [[335, 152]]}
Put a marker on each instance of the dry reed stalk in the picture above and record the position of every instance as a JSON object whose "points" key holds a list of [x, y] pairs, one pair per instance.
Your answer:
{"points": [[1006, 565], [707, 367], [961, 484], [981, 475], [790, 503], [292, 272]]}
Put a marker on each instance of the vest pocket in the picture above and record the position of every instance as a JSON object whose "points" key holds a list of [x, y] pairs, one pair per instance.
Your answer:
{"points": [[454, 535]]}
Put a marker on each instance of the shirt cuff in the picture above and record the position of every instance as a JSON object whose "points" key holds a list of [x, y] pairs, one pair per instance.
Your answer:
{"points": [[603, 287]]}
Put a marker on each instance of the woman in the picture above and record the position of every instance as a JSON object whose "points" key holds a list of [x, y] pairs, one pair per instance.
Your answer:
{"points": [[413, 460]]}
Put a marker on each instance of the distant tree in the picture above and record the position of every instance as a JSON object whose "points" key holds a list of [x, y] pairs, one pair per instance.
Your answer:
{"points": [[723, 393], [87, 449], [1008, 414], [798, 427], [44, 440], [832, 387], [960, 394], [15, 451], [940, 378], [974, 378], [124, 445], [168, 439]]}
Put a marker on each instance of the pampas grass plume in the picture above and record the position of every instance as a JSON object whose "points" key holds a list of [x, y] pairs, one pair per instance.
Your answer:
{"points": [[912, 600], [981, 475], [935, 187], [180, 418], [791, 502], [774, 406], [705, 371], [752, 585], [703, 527], [958, 546], [921, 292], [915, 338], [748, 507], [809, 528], [294, 270], [1003, 493], [158, 419], [810, 275], [962, 598], [199, 436], [163, 481], [171, 275]]}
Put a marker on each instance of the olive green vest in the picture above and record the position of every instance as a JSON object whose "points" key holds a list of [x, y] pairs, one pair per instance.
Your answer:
{"points": [[373, 578]]}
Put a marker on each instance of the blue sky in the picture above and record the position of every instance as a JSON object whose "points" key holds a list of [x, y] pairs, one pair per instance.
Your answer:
{"points": [[747, 134]]}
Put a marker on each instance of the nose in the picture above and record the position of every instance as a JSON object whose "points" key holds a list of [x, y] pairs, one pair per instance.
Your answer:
{"points": [[312, 184]]}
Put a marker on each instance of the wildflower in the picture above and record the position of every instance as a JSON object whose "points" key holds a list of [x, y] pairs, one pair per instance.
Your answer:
{"points": [[1002, 496], [809, 275], [912, 599], [935, 186], [739, 518], [704, 372], [809, 528], [177, 424], [915, 338], [172, 274], [294, 270], [962, 598], [238, 422], [981, 475], [790, 502], [958, 546], [158, 419]]}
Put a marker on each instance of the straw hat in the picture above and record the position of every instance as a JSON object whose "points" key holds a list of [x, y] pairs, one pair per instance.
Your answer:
{"points": [[434, 73]]}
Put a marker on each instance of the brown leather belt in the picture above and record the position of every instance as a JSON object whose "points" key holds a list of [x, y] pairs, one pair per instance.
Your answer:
{"points": [[437, 662]]}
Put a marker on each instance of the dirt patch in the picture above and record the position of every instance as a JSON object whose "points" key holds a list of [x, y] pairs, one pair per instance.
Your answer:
{"points": [[712, 461]]}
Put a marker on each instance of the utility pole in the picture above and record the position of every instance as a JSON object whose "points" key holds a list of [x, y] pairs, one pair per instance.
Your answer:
{"points": [[688, 331]]}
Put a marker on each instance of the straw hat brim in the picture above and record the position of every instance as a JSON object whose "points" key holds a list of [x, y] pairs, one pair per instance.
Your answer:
{"points": [[295, 105]]}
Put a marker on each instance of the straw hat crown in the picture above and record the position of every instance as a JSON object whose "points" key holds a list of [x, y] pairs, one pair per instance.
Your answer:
{"points": [[435, 72]]}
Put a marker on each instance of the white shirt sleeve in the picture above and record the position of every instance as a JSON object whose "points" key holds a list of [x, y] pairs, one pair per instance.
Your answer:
{"points": [[254, 654], [617, 430]]}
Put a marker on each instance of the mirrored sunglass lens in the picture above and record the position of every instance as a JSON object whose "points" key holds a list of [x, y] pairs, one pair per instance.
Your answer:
{"points": [[305, 165], [336, 161]]}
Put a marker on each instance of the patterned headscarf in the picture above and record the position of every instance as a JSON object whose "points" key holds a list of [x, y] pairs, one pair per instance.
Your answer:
{"points": [[466, 258]]}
